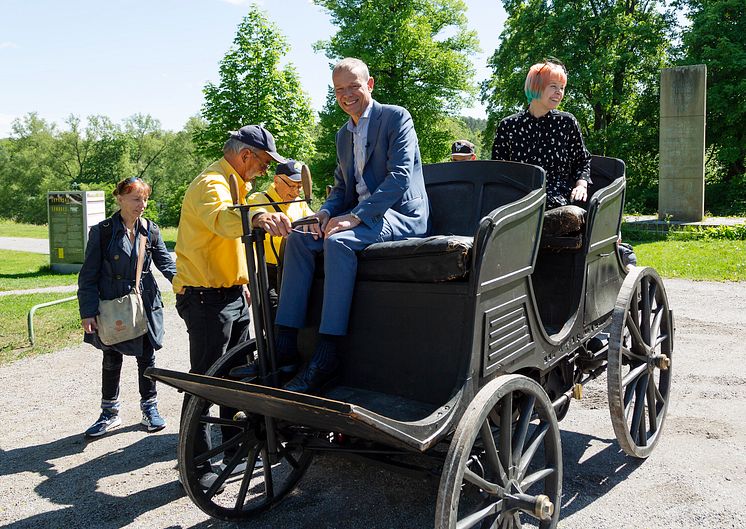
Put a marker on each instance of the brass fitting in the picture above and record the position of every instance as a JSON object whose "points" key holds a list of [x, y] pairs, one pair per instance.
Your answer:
{"points": [[577, 391], [544, 508], [662, 362]]}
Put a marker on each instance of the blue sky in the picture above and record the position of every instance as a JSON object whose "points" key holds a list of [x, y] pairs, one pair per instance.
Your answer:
{"points": [[121, 57]]}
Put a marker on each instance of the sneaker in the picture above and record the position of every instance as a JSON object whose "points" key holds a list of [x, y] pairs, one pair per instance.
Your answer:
{"points": [[241, 467], [152, 419], [205, 481], [107, 421]]}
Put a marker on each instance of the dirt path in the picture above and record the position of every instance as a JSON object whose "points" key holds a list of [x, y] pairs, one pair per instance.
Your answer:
{"points": [[50, 477]]}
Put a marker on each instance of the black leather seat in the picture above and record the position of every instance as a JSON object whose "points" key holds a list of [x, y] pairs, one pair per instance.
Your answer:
{"points": [[427, 260]]}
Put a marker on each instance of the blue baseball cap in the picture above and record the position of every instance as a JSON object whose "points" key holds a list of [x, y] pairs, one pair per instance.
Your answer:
{"points": [[259, 137], [291, 169]]}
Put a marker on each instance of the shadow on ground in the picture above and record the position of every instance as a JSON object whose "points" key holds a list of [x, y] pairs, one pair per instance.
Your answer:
{"points": [[335, 493]]}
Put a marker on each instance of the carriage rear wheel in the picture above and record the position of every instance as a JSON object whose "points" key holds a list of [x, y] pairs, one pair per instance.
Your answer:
{"points": [[639, 362], [504, 464], [235, 439]]}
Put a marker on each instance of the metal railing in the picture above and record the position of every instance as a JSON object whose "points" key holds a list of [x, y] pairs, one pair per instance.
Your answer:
{"points": [[39, 306]]}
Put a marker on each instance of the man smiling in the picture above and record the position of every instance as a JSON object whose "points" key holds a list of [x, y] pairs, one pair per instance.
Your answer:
{"points": [[378, 195]]}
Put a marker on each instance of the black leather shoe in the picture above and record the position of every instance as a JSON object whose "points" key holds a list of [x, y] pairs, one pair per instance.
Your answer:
{"points": [[249, 371], [311, 379]]}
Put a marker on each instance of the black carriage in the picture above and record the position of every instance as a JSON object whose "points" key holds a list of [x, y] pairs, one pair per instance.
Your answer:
{"points": [[466, 347]]}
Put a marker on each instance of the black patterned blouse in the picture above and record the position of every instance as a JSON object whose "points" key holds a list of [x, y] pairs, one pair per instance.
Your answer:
{"points": [[552, 142]]}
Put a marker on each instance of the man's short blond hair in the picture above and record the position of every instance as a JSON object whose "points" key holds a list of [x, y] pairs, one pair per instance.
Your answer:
{"points": [[351, 64]]}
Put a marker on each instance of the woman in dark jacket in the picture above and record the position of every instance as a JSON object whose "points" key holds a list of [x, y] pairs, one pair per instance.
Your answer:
{"points": [[109, 272]]}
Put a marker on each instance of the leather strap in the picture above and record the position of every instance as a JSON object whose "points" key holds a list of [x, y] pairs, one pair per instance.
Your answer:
{"points": [[141, 258]]}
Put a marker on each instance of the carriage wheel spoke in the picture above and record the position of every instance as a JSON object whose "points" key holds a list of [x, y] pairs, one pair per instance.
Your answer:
{"points": [[488, 443], [478, 481], [222, 447], [634, 374], [536, 476], [521, 429], [246, 480], [652, 407], [633, 356], [645, 316], [506, 420], [637, 425], [536, 439], [476, 517], [269, 486], [655, 327], [638, 345], [660, 339]]}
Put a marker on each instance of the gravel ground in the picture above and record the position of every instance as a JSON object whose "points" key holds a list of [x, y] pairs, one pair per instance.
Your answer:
{"points": [[51, 477]]}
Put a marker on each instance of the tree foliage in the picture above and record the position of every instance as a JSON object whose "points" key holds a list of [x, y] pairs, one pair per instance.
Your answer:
{"points": [[418, 51], [38, 157], [613, 50], [254, 89], [717, 37]]}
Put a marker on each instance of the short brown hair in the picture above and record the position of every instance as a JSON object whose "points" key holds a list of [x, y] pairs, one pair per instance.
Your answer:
{"points": [[126, 186]]}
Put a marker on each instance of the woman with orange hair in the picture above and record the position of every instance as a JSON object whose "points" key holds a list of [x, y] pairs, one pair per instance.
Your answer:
{"points": [[541, 135]]}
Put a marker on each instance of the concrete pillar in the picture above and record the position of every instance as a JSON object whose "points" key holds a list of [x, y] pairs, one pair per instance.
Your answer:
{"points": [[681, 190]]}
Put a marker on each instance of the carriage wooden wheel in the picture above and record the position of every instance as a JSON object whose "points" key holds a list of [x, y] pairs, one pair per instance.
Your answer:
{"points": [[504, 464], [639, 362], [237, 437]]}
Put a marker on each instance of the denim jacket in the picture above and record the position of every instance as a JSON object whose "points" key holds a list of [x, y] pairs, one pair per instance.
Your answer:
{"points": [[109, 273]]}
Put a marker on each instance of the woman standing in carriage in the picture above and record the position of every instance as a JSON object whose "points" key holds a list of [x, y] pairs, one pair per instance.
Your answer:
{"points": [[541, 135]]}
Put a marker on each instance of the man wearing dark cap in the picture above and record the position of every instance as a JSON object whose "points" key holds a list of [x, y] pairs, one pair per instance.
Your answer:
{"points": [[462, 150], [285, 187], [211, 271]]}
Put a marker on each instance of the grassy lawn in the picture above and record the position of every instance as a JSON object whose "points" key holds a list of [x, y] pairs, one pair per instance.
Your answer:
{"points": [[699, 260], [55, 327], [24, 270], [9, 228]]}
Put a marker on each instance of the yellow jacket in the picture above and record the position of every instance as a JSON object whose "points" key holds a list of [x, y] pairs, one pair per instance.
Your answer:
{"points": [[209, 251], [294, 211]]}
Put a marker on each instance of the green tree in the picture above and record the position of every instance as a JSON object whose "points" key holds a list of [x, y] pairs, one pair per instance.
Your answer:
{"points": [[716, 37], [253, 88], [29, 169], [614, 50], [418, 51]]}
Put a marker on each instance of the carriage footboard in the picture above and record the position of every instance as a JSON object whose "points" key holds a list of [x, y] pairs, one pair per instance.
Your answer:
{"points": [[322, 413]]}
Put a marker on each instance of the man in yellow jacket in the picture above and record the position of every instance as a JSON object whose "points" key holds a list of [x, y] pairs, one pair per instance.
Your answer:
{"points": [[286, 187], [211, 270]]}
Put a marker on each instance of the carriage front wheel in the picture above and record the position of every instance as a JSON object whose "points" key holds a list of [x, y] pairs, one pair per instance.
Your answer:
{"points": [[639, 362], [504, 464], [234, 445]]}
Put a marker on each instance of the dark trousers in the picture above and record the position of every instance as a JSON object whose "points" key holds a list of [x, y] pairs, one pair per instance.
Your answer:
{"points": [[216, 320], [112, 370]]}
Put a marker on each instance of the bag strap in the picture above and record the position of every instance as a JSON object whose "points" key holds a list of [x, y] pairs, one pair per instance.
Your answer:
{"points": [[141, 258], [269, 199]]}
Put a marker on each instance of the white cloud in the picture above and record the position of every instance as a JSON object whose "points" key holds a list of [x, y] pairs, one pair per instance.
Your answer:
{"points": [[8, 44]]}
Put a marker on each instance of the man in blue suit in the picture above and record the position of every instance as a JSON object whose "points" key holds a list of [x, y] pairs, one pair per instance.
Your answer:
{"points": [[378, 195]]}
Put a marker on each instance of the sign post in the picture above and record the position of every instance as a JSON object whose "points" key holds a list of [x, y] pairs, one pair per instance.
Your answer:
{"points": [[71, 214]]}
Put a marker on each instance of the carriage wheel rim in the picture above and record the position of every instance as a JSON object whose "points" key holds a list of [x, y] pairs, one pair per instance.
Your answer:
{"points": [[640, 360]]}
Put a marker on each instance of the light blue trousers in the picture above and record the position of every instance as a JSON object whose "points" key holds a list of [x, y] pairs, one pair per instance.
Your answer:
{"points": [[340, 270]]}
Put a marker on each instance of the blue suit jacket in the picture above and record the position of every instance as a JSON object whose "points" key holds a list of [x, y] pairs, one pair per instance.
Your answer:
{"points": [[392, 173]]}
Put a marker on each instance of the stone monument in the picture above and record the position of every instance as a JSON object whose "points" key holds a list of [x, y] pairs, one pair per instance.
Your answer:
{"points": [[681, 189]]}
